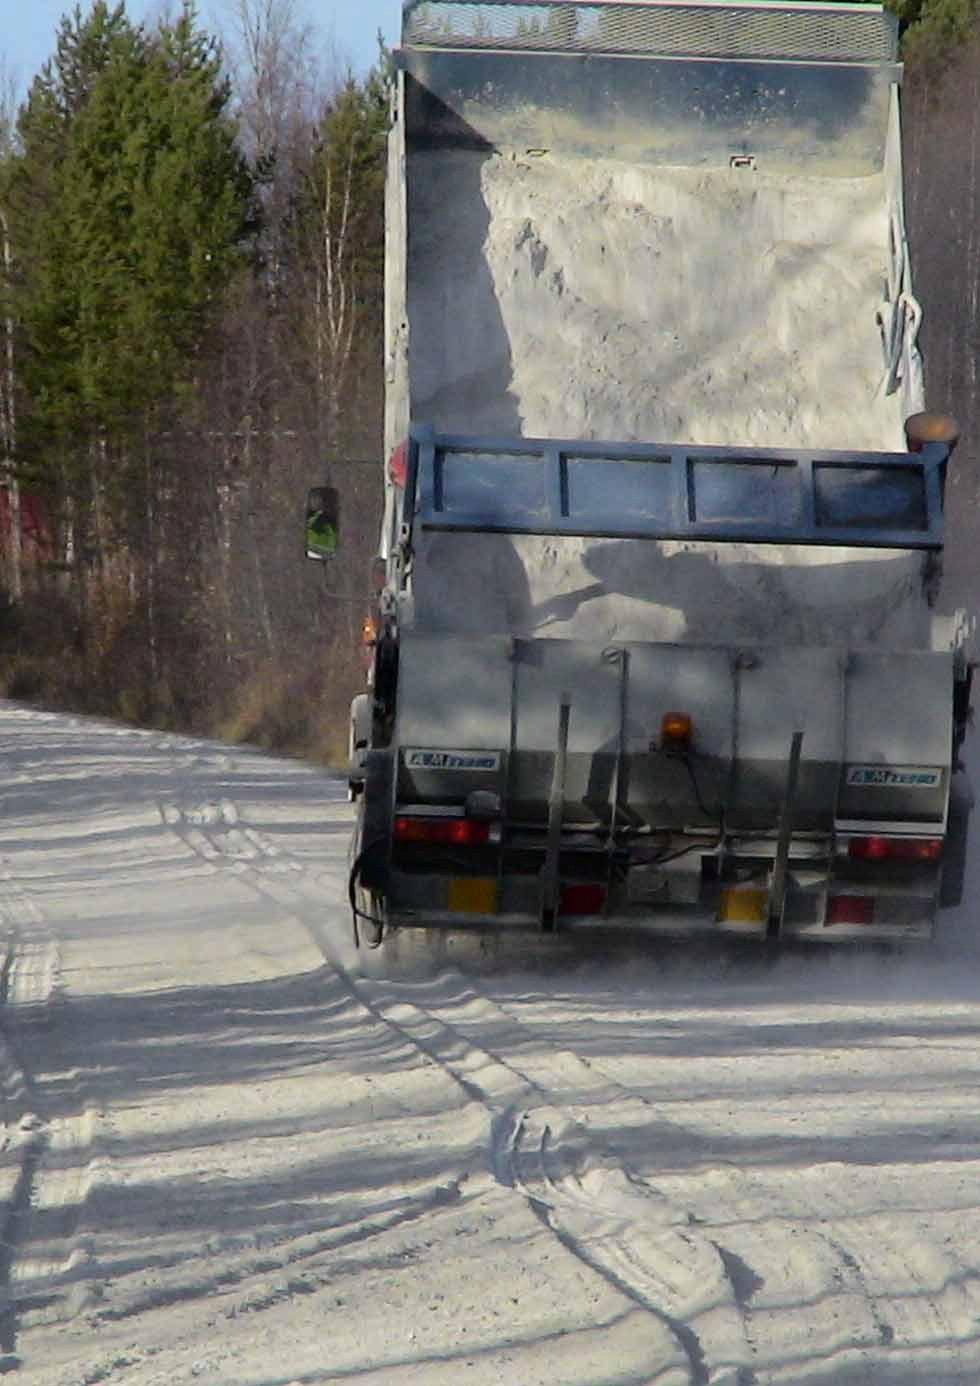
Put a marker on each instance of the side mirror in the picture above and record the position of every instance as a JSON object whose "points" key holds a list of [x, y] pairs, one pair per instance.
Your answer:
{"points": [[322, 523]]}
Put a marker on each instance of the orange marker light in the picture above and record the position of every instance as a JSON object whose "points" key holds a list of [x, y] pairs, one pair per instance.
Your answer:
{"points": [[924, 428], [676, 731]]}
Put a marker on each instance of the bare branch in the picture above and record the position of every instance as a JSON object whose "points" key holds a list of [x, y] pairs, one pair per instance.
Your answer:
{"points": [[279, 69]]}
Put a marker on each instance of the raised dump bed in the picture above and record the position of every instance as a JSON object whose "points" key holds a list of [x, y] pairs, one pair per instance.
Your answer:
{"points": [[694, 237]]}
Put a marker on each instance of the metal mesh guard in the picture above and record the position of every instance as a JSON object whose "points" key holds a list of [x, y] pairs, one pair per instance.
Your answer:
{"points": [[762, 30]]}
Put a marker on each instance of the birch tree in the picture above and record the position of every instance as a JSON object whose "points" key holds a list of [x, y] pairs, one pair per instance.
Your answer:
{"points": [[8, 396], [342, 235], [277, 80], [8, 413]]}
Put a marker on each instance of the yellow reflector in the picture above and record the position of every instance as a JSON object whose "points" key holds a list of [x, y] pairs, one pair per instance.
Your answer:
{"points": [[473, 895], [744, 905]]}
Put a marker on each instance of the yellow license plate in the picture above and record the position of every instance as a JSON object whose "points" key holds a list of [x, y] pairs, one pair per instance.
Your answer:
{"points": [[473, 895], [744, 905]]}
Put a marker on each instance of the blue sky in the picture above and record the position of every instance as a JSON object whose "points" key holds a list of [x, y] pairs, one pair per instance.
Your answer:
{"points": [[28, 27]]}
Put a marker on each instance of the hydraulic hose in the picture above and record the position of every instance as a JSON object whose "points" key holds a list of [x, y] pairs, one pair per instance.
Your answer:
{"points": [[356, 912]]}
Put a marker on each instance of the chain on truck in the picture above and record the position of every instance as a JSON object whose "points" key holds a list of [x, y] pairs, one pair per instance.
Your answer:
{"points": [[694, 678]]}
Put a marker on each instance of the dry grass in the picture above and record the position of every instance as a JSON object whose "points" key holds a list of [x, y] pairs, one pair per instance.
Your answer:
{"points": [[302, 712], [296, 706]]}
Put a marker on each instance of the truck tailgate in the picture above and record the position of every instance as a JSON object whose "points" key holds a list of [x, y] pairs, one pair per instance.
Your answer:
{"points": [[877, 730]]}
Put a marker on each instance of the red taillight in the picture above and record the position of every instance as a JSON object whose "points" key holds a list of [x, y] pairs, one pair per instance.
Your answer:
{"points": [[920, 849], [850, 909], [925, 849], [451, 832], [868, 848], [585, 898], [398, 465]]}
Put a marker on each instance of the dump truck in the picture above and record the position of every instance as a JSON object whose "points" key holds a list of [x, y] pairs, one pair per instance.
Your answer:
{"points": [[657, 639]]}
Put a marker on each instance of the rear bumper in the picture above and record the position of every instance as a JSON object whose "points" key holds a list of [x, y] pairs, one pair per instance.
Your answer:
{"points": [[425, 901], [673, 925]]}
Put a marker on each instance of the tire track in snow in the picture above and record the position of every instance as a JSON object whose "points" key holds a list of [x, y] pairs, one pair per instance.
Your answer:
{"points": [[276, 1266], [885, 1285], [851, 1294], [25, 965], [30, 990], [615, 1235], [853, 1274], [13, 1233], [873, 1268], [214, 830], [612, 1219], [501, 1088], [570, 1089], [643, 1243], [881, 1269], [604, 1218], [538, 1105]]}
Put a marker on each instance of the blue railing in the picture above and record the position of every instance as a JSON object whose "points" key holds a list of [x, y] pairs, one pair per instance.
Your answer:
{"points": [[642, 491]]}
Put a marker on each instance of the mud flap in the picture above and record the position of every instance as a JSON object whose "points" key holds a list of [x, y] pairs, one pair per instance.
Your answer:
{"points": [[375, 820], [954, 855]]}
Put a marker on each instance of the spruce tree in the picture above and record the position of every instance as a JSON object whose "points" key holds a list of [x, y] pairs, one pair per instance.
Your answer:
{"points": [[933, 30], [43, 202], [160, 214]]}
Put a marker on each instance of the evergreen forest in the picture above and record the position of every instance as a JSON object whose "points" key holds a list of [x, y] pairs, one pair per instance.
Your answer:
{"points": [[191, 240], [191, 323]]}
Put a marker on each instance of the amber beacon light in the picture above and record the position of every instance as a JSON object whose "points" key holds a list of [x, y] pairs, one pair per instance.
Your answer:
{"points": [[676, 731]]}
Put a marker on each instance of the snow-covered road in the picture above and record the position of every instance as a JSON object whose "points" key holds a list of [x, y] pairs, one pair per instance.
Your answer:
{"points": [[233, 1155]]}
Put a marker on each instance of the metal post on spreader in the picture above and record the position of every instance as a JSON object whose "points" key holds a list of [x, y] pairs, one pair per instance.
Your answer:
{"points": [[777, 888], [550, 884]]}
